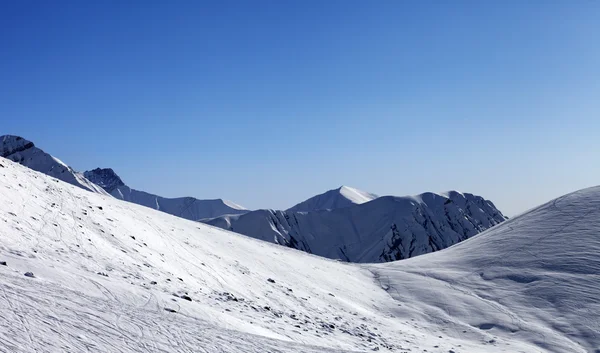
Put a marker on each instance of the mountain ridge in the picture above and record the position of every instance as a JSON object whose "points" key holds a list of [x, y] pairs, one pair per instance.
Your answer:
{"points": [[343, 196], [25, 152], [185, 207], [387, 228], [82, 271]]}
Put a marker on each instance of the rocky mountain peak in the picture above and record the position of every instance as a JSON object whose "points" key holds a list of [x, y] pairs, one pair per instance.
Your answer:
{"points": [[105, 178]]}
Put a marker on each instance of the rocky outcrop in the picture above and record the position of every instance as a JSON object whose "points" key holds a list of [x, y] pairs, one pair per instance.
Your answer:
{"points": [[105, 178]]}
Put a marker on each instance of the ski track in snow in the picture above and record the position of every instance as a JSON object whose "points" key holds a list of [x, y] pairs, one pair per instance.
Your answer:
{"points": [[111, 276]]}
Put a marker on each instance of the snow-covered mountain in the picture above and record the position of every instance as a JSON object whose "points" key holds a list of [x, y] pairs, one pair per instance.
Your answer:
{"points": [[87, 272], [343, 196], [385, 229], [105, 181], [534, 278], [184, 207], [24, 152]]}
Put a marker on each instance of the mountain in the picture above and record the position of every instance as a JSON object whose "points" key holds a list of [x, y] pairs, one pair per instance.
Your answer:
{"points": [[184, 207], [87, 272], [24, 152], [385, 229], [343, 196], [535, 278], [106, 181]]}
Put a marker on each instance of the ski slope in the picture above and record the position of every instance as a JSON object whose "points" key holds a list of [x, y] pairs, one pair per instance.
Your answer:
{"points": [[114, 276]]}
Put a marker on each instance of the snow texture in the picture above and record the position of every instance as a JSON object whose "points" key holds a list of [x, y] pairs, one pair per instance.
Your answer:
{"points": [[112, 276], [385, 229]]}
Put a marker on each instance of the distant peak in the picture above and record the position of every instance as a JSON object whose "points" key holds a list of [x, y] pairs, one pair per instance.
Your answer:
{"points": [[343, 196], [232, 204], [106, 178], [13, 144], [345, 188], [356, 195]]}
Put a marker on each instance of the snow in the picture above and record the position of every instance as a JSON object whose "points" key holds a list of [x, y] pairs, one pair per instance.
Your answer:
{"points": [[24, 152], [533, 279], [184, 207], [343, 196], [69, 238], [111, 276], [385, 229]]}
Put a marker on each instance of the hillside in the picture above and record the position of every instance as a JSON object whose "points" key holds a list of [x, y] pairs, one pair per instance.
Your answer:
{"points": [[534, 278], [83, 271]]}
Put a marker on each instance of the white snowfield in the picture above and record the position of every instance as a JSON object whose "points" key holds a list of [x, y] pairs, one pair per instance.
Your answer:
{"points": [[112, 276], [343, 196]]}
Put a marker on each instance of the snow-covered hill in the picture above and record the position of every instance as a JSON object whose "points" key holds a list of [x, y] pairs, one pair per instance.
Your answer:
{"points": [[24, 152], [108, 275], [534, 278], [385, 229], [343, 196], [184, 207]]}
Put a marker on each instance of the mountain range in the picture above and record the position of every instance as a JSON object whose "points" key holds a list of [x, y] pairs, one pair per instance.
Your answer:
{"points": [[344, 223], [384, 229], [83, 271]]}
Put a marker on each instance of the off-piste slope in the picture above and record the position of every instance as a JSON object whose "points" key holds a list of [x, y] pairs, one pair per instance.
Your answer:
{"points": [[533, 279], [114, 276], [343, 196]]}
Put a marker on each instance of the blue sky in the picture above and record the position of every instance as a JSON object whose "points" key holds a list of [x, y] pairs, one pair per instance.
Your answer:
{"points": [[267, 103]]}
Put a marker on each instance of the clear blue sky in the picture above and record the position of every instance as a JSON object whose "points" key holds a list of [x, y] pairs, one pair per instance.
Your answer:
{"points": [[269, 102]]}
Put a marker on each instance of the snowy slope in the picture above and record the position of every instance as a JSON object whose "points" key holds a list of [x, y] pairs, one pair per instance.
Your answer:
{"points": [[184, 207], [71, 239], [385, 229], [25, 153], [111, 276], [534, 279], [343, 196]]}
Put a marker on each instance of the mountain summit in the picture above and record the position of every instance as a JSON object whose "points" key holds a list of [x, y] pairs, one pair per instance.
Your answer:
{"points": [[105, 178], [343, 196], [385, 229]]}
